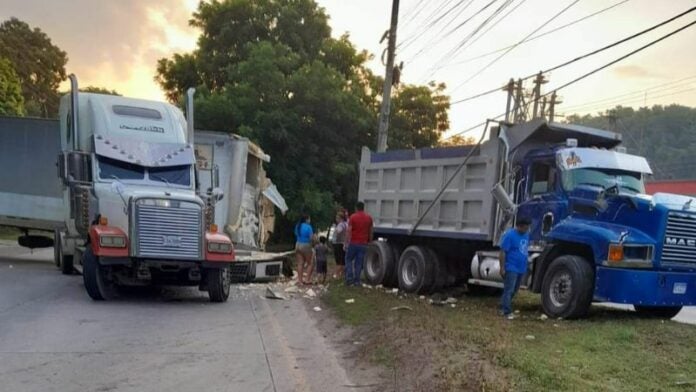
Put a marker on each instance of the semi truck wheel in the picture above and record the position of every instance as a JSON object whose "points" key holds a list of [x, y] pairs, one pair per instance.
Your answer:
{"points": [[94, 277], [567, 288], [379, 263], [416, 272], [664, 312], [63, 262], [219, 280], [440, 273], [392, 280]]}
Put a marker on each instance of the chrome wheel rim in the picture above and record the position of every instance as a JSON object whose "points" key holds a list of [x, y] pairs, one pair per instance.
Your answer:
{"points": [[409, 271], [561, 289]]}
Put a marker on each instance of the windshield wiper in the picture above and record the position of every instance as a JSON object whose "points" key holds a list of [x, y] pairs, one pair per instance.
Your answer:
{"points": [[162, 179], [592, 184]]}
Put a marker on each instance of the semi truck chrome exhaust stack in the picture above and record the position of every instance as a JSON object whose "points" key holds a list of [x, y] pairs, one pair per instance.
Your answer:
{"points": [[189, 114], [74, 111]]}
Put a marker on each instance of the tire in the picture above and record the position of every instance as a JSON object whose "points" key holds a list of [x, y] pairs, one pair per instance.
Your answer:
{"points": [[393, 279], [63, 262], [416, 273], [94, 276], [440, 271], [567, 288], [379, 263], [663, 312], [219, 284]]}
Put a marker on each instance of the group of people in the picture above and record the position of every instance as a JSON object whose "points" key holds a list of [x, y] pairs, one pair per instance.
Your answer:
{"points": [[352, 234]]}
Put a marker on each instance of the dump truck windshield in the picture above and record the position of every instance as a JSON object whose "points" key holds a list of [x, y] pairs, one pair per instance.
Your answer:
{"points": [[604, 178]]}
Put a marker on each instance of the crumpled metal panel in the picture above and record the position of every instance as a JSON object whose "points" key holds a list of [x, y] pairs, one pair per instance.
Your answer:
{"points": [[271, 192], [144, 153]]}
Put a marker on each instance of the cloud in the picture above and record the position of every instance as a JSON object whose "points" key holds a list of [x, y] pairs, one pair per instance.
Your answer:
{"points": [[636, 72], [112, 44]]}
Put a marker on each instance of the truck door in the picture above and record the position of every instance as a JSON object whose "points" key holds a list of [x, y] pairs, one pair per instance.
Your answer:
{"points": [[543, 201]]}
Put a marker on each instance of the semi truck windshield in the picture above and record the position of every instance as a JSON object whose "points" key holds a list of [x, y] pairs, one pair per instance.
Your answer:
{"points": [[605, 178], [111, 169]]}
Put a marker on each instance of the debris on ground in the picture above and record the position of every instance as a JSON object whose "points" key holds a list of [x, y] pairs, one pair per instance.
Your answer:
{"points": [[311, 293], [273, 295], [451, 300], [421, 297], [543, 317], [402, 308], [292, 289], [394, 291], [530, 337], [350, 301], [317, 309], [453, 305]]}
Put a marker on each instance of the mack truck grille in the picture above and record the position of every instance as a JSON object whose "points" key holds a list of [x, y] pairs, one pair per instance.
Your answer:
{"points": [[172, 230], [679, 247]]}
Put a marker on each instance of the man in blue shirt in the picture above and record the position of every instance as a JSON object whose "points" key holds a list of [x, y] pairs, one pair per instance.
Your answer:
{"points": [[513, 262]]}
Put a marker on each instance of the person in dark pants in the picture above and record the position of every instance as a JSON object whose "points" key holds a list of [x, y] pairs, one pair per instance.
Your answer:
{"points": [[359, 234], [320, 253], [513, 263], [340, 243]]}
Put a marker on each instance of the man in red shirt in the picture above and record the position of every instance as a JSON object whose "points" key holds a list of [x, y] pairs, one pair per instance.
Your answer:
{"points": [[358, 236]]}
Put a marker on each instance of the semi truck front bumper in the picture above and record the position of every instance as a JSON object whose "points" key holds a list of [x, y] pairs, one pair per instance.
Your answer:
{"points": [[640, 287]]}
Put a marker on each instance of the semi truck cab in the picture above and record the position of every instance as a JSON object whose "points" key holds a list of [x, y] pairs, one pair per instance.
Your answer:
{"points": [[132, 213]]}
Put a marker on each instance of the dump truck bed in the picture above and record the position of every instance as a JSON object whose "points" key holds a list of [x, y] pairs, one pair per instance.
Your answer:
{"points": [[30, 192], [399, 186]]}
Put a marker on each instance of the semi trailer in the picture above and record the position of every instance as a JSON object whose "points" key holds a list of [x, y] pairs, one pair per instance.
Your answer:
{"points": [[439, 214], [124, 206]]}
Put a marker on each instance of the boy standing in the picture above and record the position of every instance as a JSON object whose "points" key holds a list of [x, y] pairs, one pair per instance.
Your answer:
{"points": [[321, 251], [513, 262]]}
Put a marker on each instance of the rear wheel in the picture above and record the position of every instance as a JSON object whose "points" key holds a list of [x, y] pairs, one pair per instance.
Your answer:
{"points": [[219, 280], [440, 271], [416, 272], [664, 312], [95, 277], [379, 263], [567, 288]]}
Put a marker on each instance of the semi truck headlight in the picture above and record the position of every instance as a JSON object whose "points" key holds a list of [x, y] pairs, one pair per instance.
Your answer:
{"points": [[219, 247], [630, 256], [112, 241]]}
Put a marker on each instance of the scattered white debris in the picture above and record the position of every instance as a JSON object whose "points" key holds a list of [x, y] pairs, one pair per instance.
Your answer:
{"points": [[394, 291], [451, 300], [11, 266], [555, 325], [422, 297], [543, 317], [367, 286], [311, 293], [317, 309], [517, 312], [357, 342], [530, 337], [292, 289], [453, 305], [379, 286], [402, 308], [350, 301], [273, 295]]}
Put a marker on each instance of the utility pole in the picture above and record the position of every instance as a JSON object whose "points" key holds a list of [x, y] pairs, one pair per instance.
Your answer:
{"points": [[510, 88], [519, 101], [538, 81], [388, 80], [552, 106]]}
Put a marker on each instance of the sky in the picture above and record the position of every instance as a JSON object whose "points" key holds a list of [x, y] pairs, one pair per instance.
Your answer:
{"points": [[115, 44]]}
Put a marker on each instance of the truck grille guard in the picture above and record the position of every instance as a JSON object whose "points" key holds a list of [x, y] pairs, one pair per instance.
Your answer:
{"points": [[166, 229]]}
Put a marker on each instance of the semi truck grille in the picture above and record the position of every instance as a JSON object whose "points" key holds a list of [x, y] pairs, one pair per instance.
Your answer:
{"points": [[679, 247], [168, 232]]}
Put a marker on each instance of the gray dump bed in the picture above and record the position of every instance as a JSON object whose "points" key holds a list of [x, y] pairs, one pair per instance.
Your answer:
{"points": [[398, 187], [30, 191]]}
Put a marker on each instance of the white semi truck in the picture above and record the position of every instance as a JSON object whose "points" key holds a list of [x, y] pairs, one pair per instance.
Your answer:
{"points": [[126, 210]]}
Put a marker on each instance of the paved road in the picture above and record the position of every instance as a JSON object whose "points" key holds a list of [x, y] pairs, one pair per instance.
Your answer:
{"points": [[54, 338]]}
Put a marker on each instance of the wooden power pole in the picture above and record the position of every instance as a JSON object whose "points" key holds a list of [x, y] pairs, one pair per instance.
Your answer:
{"points": [[388, 81]]}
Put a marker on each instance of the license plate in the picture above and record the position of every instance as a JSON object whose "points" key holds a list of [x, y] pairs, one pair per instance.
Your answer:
{"points": [[679, 288]]}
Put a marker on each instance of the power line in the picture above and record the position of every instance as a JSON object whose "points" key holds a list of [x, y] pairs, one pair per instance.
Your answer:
{"points": [[635, 100], [495, 24], [621, 58], [517, 44], [628, 94], [417, 32], [537, 36], [586, 55]]}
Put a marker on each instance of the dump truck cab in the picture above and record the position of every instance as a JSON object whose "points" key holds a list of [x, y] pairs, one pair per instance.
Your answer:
{"points": [[132, 213]]}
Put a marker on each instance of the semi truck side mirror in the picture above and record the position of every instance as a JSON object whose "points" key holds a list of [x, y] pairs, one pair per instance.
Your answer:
{"points": [[75, 167]]}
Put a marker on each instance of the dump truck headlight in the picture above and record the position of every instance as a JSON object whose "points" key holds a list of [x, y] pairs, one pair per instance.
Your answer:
{"points": [[219, 247], [112, 241]]}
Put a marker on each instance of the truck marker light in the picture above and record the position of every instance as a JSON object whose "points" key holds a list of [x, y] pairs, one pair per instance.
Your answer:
{"points": [[615, 252], [213, 228], [103, 221]]}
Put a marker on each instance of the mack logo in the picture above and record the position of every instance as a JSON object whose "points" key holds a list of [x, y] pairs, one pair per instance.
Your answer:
{"points": [[680, 241], [171, 240]]}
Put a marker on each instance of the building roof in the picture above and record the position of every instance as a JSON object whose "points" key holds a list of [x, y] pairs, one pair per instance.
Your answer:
{"points": [[680, 187]]}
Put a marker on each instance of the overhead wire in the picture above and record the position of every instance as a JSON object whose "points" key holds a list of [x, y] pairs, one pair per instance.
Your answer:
{"points": [[537, 36], [424, 26], [586, 55], [483, 69]]}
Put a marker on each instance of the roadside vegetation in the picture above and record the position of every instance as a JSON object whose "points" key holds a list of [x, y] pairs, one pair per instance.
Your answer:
{"points": [[469, 347]]}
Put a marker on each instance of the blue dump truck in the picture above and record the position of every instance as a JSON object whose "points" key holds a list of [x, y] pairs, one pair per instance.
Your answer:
{"points": [[595, 236]]}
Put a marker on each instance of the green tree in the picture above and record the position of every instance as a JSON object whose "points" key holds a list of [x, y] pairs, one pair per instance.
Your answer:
{"points": [[99, 90], [39, 64], [11, 100], [418, 116], [270, 70]]}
